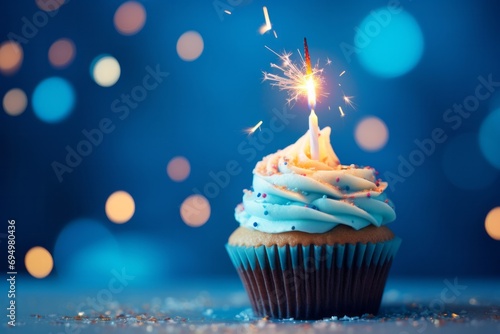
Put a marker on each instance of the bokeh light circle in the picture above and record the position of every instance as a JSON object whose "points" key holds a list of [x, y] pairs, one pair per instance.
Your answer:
{"points": [[190, 46], [389, 44], [129, 18], [105, 70], [15, 102], [62, 52], [53, 99], [38, 262], [86, 252], [120, 207], [371, 134], [492, 223], [195, 210], [49, 5], [11, 57], [178, 169], [489, 138], [464, 165]]}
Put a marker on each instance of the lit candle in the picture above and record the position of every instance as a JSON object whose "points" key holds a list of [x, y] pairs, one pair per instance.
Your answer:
{"points": [[311, 99]]}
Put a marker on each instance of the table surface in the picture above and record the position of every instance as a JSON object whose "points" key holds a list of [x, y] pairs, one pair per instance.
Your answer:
{"points": [[451, 305]]}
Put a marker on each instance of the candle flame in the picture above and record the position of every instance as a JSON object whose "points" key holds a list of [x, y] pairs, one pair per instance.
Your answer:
{"points": [[253, 128]]}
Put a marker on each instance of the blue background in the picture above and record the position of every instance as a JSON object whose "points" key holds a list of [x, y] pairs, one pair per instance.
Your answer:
{"points": [[199, 112]]}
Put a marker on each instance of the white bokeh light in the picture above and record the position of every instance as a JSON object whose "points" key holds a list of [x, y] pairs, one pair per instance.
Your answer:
{"points": [[105, 70]]}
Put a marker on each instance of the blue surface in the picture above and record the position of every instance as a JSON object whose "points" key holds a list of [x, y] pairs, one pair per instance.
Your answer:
{"points": [[449, 305]]}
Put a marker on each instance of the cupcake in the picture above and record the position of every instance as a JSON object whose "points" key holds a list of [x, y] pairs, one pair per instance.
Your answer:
{"points": [[312, 241]]}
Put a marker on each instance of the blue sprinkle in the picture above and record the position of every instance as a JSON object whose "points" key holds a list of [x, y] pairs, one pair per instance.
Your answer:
{"points": [[347, 188], [255, 224], [266, 213], [293, 228], [324, 196], [258, 195], [286, 163]]}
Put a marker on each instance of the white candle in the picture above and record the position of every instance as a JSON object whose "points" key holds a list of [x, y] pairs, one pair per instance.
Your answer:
{"points": [[314, 133]]}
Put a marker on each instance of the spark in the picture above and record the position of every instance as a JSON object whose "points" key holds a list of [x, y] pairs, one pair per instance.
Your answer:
{"points": [[267, 26], [227, 12], [348, 101], [302, 80], [295, 79], [275, 34], [341, 112], [328, 61], [254, 128]]}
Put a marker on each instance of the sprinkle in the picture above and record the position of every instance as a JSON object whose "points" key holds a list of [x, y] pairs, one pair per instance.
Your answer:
{"points": [[293, 228], [338, 179], [258, 195], [347, 188], [266, 213], [324, 196], [386, 201], [264, 195], [255, 224], [368, 195], [286, 163]]}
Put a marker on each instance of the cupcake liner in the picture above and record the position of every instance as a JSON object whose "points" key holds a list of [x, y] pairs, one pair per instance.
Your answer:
{"points": [[314, 282]]}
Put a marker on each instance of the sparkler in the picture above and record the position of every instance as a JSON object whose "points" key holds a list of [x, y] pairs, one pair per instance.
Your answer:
{"points": [[295, 80], [300, 81]]}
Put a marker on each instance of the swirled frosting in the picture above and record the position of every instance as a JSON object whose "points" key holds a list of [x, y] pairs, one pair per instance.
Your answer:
{"points": [[292, 192]]}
